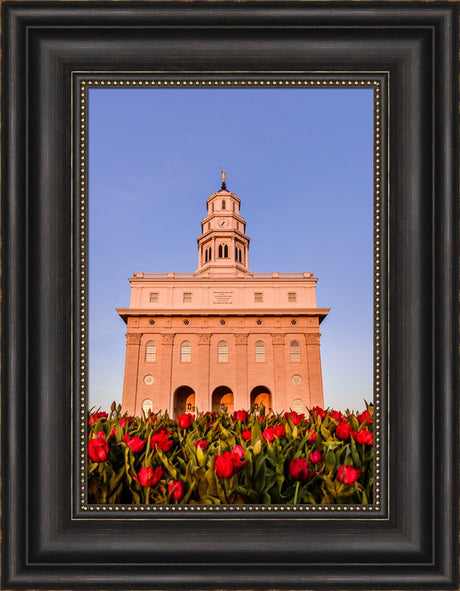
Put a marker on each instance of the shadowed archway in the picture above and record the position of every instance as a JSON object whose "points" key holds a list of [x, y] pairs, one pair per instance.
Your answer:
{"points": [[222, 398], [261, 395], [184, 400]]}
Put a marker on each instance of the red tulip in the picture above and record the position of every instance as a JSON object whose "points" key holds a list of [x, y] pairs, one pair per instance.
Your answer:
{"points": [[280, 431], [149, 477], [185, 421], [161, 440], [317, 410], [365, 417], [96, 416], [295, 418], [336, 414], [176, 489], [363, 436], [316, 457], [223, 465], [240, 415], [269, 434], [298, 469], [343, 430], [312, 436], [201, 443], [246, 434], [136, 443], [238, 451], [348, 474], [98, 448]]}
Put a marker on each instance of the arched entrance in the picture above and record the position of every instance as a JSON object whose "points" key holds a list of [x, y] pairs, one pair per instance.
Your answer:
{"points": [[261, 395], [184, 400], [222, 398]]}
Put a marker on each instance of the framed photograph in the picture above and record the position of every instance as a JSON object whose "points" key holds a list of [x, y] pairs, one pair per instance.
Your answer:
{"points": [[78, 80]]}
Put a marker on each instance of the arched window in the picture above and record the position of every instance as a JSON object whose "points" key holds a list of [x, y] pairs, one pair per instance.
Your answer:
{"points": [[147, 406], [260, 351], [223, 204], [298, 405], [239, 254], [185, 351], [295, 351], [212, 207], [210, 253], [222, 351], [206, 256], [151, 351], [226, 251], [220, 251], [236, 254]]}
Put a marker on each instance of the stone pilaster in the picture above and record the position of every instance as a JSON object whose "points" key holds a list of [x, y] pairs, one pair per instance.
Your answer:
{"points": [[130, 381], [165, 396], [241, 396], [314, 370], [279, 367], [203, 396]]}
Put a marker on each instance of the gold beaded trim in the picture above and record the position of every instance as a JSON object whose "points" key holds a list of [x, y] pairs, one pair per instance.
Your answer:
{"points": [[82, 151]]}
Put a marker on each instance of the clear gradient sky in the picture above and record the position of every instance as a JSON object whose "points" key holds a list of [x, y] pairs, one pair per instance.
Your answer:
{"points": [[301, 162]]}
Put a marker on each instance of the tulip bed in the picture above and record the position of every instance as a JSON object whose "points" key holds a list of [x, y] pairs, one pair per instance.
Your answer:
{"points": [[219, 458]]}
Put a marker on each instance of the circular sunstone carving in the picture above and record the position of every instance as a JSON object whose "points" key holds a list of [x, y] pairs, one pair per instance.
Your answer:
{"points": [[148, 380], [296, 380]]}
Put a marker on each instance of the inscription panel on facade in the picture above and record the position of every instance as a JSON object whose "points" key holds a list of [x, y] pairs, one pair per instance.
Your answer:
{"points": [[222, 297]]}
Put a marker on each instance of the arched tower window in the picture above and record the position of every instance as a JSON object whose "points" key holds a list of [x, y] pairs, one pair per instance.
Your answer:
{"points": [[206, 256], [185, 351], [260, 351], [226, 252], [295, 351], [222, 351], [223, 203], [210, 253], [239, 254], [147, 406], [151, 351], [236, 254], [220, 251]]}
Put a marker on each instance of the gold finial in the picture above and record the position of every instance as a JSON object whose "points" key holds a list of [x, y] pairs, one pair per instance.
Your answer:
{"points": [[224, 176]]}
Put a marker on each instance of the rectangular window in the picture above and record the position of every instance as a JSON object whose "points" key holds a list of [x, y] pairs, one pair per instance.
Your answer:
{"points": [[153, 297], [258, 296], [187, 296], [292, 296]]}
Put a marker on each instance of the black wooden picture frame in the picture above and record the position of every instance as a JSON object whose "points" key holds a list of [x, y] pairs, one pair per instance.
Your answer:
{"points": [[411, 542]]}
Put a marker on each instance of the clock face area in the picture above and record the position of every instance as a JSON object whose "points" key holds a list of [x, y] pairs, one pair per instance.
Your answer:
{"points": [[222, 223]]}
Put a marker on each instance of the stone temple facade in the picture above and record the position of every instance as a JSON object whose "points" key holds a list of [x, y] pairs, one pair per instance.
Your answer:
{"points": [[222, 337]]}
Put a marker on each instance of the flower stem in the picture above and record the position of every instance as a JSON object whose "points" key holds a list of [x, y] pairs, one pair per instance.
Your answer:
{"points": [[296, 492]]}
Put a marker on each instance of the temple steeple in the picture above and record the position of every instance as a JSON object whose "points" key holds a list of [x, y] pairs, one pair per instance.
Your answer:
{"points": [[223, 245]]}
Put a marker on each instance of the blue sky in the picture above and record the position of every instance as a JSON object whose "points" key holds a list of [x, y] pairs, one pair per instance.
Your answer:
{"points": [[299, 159]]}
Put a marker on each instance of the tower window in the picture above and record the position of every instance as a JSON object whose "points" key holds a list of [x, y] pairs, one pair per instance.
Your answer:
{"points": [[154, 297], [222, 351], [295, 351], [236, 254], [220, 251], [239, 255], [292, 296], [147, 406], [226, 252], [210, 253], [258, 296], [185, 352], [206, 256], [151, 351], [260, 351], [187, 296], [223, 204]]}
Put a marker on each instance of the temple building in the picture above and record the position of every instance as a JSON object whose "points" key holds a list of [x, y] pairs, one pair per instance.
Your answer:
{"points": [[222, 337]]}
